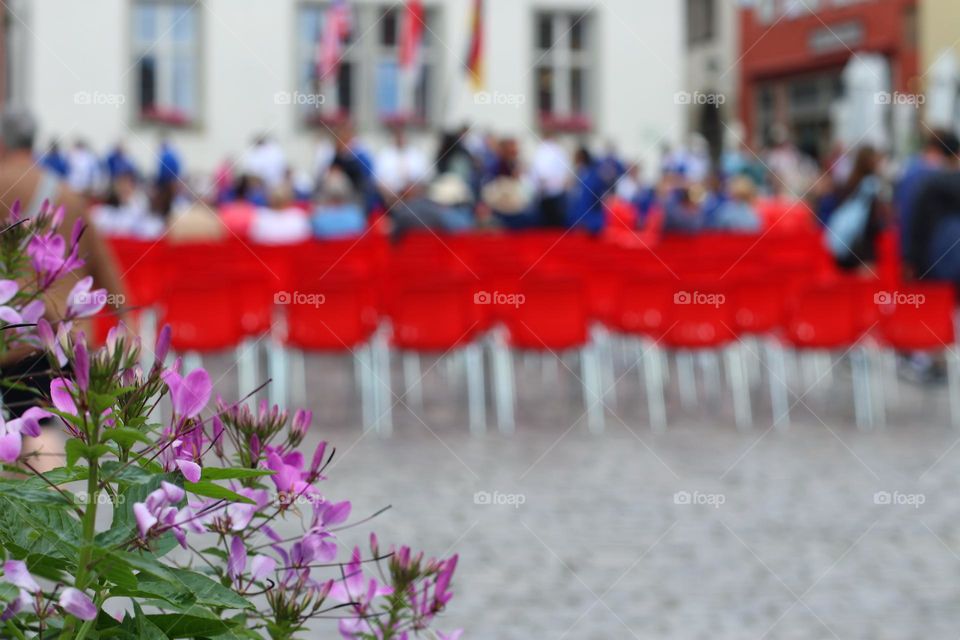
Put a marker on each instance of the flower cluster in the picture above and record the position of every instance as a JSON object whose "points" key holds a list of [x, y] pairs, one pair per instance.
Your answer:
{"points": [[222, 481]]}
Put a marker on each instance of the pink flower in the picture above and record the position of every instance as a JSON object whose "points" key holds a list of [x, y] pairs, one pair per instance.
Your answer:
{"points": [[261, 567], [15, 572], [61, 394], [237, 559], [189, 394], [77, 603], [82, 302], [11, 433]]}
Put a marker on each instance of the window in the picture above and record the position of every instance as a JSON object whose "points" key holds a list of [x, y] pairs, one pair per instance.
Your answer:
{"points": [[371, 88], [165, 52], [398, 96], [700, 21], [338, 93], [563, 69]]}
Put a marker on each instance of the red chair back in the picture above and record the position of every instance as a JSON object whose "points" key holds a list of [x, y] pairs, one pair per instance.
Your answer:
{"points": [[918, 317], [552, 314]]}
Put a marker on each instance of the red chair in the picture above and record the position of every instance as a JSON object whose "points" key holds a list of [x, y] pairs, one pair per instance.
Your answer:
{"points": [[550, 317], [202, 302], [921, 317], [437, 314], [334, 313], [829, 317]]}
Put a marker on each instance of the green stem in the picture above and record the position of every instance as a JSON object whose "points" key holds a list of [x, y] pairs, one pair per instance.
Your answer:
{"points": [[89, 533], [13, 629]]}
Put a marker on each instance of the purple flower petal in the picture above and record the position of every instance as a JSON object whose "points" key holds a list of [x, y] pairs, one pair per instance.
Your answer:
{"points": [[60, 394], [262, 566], [190, 470], [33, 311], [8, 289], [145, 519], [15, 572], [172, 492], [11, 444], [192, 394], [77, 603], [16, 605], [163, 344], [237, 560], [81, 364], [82, 302]]}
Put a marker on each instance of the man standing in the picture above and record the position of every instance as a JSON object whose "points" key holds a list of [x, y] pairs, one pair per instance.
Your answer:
{"points": [[551, 173]]}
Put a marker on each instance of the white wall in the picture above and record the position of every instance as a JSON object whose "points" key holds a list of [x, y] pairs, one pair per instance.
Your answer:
{"points": [[248, 52]]}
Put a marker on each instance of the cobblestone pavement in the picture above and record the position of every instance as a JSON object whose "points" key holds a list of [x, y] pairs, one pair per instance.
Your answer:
{"points": [[702, 532]]}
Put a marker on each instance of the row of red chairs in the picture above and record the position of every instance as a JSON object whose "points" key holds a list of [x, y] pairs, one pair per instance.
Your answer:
{"points": [[547, 290]]}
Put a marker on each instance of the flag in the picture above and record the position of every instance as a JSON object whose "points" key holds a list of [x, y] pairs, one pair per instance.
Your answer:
{"points": [[475, 52], [410, 55], [411, 36], [330, 39]]}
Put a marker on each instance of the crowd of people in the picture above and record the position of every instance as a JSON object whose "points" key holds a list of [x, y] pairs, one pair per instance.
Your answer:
{"points": [[481, 181]]}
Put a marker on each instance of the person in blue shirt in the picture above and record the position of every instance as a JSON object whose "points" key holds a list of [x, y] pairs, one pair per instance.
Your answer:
{"points": [[586, 209], [168, 169], [938, 153], [119, 163], [54, 160], [338, 213]]}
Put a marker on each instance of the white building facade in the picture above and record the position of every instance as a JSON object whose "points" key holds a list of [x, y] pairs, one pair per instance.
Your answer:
{"points": [[212, 74]]}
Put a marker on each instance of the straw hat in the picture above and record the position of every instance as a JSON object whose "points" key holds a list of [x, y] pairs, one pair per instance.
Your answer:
{"points": [[450, 190], [507, 196]]}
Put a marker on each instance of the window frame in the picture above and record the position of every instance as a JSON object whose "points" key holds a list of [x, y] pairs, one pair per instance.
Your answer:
{"points": [[366, 54], [167, 47], [561, 59]]}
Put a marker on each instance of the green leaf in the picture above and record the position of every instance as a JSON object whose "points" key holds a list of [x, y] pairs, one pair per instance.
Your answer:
{"points": [[39, 529], [176, 625], [74, 449], [122, 472], [125, 437], [115, 570], [25, 491], [213, 473], [207, 489]]}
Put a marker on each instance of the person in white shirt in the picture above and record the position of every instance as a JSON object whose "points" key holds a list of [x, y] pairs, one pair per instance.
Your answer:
{"points": [[84, 173], [551, 173], [267, 161], [280, 226], [399, 167]]}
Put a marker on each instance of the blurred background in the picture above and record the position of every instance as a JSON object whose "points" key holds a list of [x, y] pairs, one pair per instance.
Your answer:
{"points": [[644, 308]]}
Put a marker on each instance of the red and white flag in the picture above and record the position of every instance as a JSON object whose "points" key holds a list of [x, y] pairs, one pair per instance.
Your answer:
{"points": [[330, 40], [410, 55]]}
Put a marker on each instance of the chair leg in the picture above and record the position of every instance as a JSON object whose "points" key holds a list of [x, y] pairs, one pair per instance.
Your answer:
{"points": [[607, 364], [686, 379], [740, 387], [247, 356], [383, 385], [861, 389], [878, 405], [503, 385], [779, 389], [476, 394], [298, 373], [412, 385], [891, 386], [953, 385], [148, 337], [653, 379], [277, 368], [592, 393], [363, 376]]}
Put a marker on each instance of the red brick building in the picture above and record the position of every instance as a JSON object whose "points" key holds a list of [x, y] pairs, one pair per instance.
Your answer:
{"points": [[792, 59]]}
